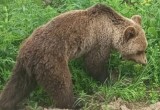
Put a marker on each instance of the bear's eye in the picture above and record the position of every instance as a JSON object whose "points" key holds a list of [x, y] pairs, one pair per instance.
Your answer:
{"points": [[139, 52]]}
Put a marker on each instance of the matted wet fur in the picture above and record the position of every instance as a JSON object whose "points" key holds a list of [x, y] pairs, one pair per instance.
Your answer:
{"points": [[43, 57]]}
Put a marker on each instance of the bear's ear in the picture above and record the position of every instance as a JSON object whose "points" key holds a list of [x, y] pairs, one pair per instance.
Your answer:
{"points": [[137, 19], [129, 33]]}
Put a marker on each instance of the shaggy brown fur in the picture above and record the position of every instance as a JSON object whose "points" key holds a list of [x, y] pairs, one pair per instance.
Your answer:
{"points": [[44, 56]]}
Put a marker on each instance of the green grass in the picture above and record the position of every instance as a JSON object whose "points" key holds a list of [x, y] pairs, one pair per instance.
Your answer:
{"points": [[18, 18]]}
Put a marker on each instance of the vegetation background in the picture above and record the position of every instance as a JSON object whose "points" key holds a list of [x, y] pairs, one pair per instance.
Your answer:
{"points": [[18, 18]]}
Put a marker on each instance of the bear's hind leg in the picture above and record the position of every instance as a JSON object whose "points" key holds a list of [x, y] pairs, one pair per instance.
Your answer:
{"points": [[18, 87], [58, 83]]}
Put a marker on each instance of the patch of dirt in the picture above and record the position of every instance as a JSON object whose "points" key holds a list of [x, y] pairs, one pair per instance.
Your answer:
{"points": [[123, 105], [118, 104]]}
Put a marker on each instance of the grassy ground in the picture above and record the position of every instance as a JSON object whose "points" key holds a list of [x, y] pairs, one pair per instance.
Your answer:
{"points": [[18, 18]]}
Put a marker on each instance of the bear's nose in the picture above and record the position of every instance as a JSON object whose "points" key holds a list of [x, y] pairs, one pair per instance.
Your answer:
{"points": [[145, 62]]}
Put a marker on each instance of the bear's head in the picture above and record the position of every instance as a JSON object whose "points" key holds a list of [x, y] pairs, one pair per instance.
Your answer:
{"points": [[132, 42]]}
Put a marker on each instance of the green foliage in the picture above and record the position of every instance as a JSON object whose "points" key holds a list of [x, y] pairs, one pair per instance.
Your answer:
{"points": [[18, 18]]}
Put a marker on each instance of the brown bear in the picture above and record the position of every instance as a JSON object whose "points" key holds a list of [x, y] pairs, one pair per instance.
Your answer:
{"points": [[92, 33]]}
